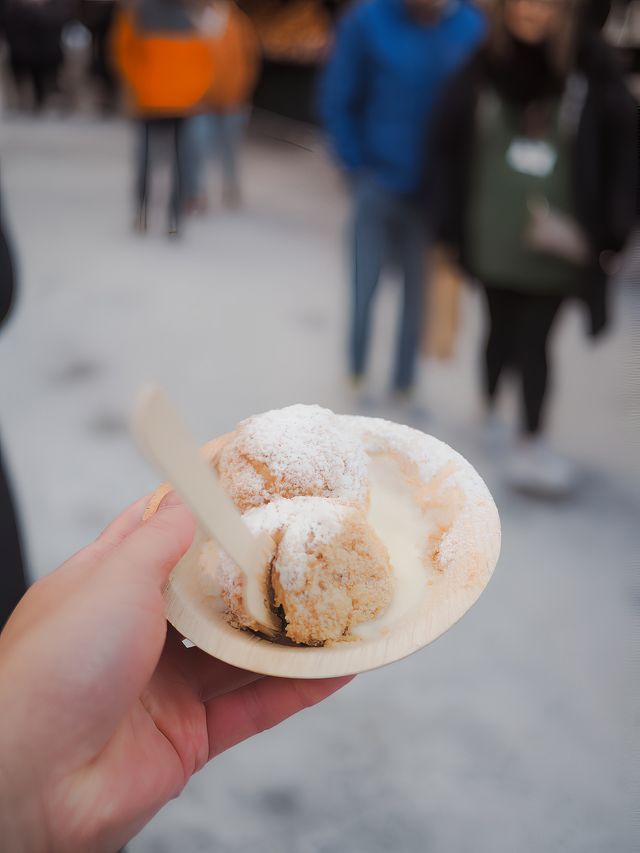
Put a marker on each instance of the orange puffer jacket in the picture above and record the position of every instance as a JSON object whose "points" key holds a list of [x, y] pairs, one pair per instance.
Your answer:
{"points": [[236, 60], [166, 72]]}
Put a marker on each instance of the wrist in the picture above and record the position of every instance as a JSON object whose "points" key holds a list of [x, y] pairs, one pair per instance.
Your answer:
{"points": [[22, 827], [23, 822]]}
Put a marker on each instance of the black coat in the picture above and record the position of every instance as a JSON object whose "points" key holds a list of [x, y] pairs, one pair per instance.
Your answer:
{"points": [[13, 583], [33, 30], [7, 277], [605, 161]]}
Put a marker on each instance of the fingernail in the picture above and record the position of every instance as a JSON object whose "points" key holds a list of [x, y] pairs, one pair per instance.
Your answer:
{"points": [[171, 499]]}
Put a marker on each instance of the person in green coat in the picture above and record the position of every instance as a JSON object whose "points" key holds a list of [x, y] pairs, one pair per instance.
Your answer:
{"points": [[534, 155]]}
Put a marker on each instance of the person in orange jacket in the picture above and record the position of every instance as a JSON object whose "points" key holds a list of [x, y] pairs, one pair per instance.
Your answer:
{"points": [[236, 56], [167, 67]]}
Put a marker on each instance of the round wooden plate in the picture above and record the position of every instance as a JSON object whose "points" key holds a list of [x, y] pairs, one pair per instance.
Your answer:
{"points": [[447, 598]]}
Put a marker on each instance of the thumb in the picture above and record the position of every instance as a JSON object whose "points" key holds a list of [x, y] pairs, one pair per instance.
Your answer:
{"points": [[153, 549], [95, 643]]}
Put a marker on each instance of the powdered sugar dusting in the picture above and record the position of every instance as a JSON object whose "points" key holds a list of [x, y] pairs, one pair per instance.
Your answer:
{"points": [[473, 530], [429, 454], [473, 539], [304, 451], [315, 522], [245, 480], [302, 521]]}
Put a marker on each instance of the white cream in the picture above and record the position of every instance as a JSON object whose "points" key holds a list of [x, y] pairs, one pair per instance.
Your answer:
{"points": [[254, 599], [209, 561], [403, 528]]}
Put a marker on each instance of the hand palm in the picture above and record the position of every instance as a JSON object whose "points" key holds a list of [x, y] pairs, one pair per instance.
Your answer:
{"points": [[121, 710]]}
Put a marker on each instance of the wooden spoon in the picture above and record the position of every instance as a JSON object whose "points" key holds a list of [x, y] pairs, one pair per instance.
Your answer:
{"points": [[167, 444]]}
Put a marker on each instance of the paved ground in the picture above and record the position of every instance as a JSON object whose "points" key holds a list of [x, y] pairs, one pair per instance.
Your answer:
{"points": [[509, 735]]}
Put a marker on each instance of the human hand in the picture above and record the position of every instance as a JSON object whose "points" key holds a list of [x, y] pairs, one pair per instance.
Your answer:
{"points": [[105, 714]]}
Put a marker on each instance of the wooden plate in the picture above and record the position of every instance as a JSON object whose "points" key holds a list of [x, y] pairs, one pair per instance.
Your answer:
{"points": [[447, 598]]}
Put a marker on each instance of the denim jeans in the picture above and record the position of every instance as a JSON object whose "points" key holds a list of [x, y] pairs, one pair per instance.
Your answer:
{"points": [[388, 229], [219, 133]]}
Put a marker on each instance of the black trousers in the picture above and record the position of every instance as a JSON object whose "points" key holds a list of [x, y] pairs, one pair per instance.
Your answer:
{"points": [[42, 77], [13, 583], [150, 128], [98, 18], [519, 328]]}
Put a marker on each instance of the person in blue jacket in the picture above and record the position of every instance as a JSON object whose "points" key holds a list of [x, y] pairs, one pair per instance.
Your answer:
{"points": [[389, 62]]}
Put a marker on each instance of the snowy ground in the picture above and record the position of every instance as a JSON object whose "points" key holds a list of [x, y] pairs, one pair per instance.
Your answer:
{"points": [[509, 735]]}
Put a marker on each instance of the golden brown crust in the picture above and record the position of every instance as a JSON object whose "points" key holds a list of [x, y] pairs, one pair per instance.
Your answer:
{"points": [[286, 454], [348, 580]]}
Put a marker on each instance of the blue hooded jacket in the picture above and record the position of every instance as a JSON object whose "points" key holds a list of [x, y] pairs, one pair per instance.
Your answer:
{"points": [[379, 87]]}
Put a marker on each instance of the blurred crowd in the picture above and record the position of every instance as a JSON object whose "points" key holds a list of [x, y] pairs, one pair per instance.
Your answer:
{"points": [[495, 140], [494, 143], [506, 141]]}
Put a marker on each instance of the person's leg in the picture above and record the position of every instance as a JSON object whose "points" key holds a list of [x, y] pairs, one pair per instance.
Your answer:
{"points": [[102, 59], [195, 146], [500, 340], [20, 76], [50, 73], [410, 240], [536, 314], [229, 129], [39, 83], [369, 241], [175, 202], [142, 178], [534, 467], [13, 583]]}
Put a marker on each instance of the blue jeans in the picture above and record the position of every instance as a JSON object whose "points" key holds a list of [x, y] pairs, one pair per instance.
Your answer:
{"points": [[217, 132], [388, 228]]}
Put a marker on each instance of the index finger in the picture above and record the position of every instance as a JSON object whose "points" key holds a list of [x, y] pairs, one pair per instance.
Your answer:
{"points": [[121, 527], [256, 707]]}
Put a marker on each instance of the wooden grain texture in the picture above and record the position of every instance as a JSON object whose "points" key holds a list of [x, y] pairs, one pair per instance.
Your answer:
{"points": [[195, 614], [208, 451]]}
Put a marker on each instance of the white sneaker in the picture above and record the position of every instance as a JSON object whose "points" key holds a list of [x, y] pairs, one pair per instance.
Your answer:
{"points": [[408, 409], [495, 433], [535, 469], [362, 400]]}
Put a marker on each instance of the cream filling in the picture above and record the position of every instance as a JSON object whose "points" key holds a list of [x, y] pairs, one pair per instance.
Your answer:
{"points": [[404, 530], [255, 581], [255, 587]]}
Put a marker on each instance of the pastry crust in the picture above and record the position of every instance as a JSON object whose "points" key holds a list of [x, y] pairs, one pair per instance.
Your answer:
{"points": [[347, 580], [330, 571], [291, 452]]}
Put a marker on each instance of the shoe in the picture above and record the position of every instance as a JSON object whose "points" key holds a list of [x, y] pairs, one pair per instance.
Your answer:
{"points": [[494, 432], [140, 221], [173, 228], [357, 381], [362, 399], [537, 470], [232, 197], [196, 205], [410, 410]]}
